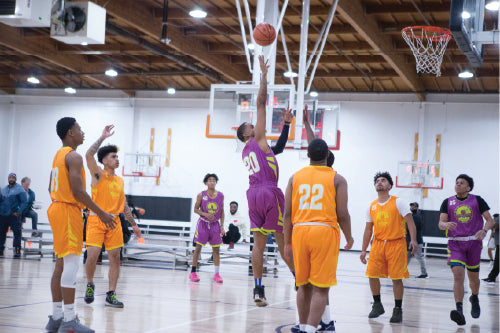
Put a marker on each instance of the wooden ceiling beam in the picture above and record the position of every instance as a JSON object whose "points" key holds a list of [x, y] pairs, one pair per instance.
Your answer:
{"points": [[352, 11], [434, 8], [133, 13], [45, 49], [7, 84]]}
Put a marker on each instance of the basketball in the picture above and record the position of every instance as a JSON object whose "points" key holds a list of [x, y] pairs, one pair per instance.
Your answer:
{"points": [[142, 211], [264, 34]]}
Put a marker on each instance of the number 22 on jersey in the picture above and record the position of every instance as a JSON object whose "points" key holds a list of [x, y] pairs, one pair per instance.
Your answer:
{"points": [[251, 163], [315, 193]]}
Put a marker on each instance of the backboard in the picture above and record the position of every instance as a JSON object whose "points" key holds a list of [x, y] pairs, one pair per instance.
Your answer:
{"points": [[464, 28], [233, 104], [416, 174], [142, 165]]}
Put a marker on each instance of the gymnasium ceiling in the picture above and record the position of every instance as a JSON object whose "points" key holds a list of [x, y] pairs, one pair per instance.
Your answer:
{"points": [[364, 52]]}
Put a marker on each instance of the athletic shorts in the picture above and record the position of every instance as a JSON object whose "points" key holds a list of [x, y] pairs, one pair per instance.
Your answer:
{"points": [[388, 258], [208, 232], [265, 207], [97, 233], [66, 222], [315, 255], [467, 253]]}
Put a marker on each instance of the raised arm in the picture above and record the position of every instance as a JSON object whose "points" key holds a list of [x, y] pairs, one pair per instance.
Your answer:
{"points": [[94, 168], [307, 125], [281, 143], [74, 163], [260, 127], [287, 223], [130, 218], [342, 211]]}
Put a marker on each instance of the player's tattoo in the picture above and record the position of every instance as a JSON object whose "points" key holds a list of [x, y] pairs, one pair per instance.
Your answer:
{"points": [[128, 215], [93, 149]]}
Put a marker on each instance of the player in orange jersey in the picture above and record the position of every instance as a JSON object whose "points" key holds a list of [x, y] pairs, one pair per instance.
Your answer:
{"points": [[386, 219], [108, 193], [67, 191], [315, 211]]}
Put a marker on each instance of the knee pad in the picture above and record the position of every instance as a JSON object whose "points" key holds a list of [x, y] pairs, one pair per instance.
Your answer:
{"points": [[68, 277]]}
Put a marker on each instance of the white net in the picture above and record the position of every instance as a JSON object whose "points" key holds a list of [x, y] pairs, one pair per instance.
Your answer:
{"points": [[428, 45]]}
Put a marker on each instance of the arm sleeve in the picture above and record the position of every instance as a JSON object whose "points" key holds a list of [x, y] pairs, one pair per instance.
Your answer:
{"points": [[368, 217], [280, 144], [403, 207], [444, 207], [483, 206]]}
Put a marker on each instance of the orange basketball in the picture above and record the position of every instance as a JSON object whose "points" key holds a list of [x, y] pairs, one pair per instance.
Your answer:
{"points": [[264, 34], [142, 211]]}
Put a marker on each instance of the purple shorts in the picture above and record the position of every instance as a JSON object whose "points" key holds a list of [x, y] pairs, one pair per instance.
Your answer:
{"points": [[265, 208], [467, 253], [208, 232]]}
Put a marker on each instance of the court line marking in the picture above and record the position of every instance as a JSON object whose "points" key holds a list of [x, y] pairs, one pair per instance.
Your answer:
{"points": [[215, 317]]}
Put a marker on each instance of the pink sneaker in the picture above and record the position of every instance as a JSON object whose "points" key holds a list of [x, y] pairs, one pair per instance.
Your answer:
{"points": [[194, 277], [217, 278]]}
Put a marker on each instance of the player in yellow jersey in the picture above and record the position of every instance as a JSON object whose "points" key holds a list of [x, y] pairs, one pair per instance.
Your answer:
{"points": [[386, 219], [108, 193], [315, 211], [67, 191]]}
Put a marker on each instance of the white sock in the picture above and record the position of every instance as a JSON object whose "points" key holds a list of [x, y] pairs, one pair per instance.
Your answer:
{"points": [[325, 318], [69, 312], [216, 268], [302, 327], [57, 310], [309, 329]]}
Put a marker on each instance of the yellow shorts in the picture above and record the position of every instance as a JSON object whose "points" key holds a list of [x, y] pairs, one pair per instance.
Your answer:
{"points": [[388, 258], [66, 222], [97, 234], [315, 255]]}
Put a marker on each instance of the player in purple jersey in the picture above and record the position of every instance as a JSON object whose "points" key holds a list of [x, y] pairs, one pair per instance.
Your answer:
{"points": [[210, 206], [462, 218], [265, 200]]}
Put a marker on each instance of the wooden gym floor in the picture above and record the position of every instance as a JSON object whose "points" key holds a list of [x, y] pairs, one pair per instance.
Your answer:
{"points": [[160, 299]]}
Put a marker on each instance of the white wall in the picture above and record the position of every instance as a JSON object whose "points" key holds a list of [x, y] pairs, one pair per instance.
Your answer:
{"points": [[377, 132]]}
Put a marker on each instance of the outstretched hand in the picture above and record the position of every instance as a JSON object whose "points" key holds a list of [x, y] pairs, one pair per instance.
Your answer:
{"points": [[108, 131], [287, 114], [305, 114], [264, 66]]}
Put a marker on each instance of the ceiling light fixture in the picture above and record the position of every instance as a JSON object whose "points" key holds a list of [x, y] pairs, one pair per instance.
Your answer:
{"points": [[465, 15], [70, 90], [493, 5], [84, 43], [290, 74], [33, 80], [111, 72], [198, 13], [251, 46], [465, 74], [313, 94], [171, 91]]}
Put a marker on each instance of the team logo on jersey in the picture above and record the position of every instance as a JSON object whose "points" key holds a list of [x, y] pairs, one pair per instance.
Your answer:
{"points": [[374, 207], [205, 198], [212, 208], [453, 202], [382, 219], [463, 214], [115, 189]]}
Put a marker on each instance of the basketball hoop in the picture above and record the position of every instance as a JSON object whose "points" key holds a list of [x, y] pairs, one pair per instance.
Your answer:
{"points": [[136, 175], [428, 45]]}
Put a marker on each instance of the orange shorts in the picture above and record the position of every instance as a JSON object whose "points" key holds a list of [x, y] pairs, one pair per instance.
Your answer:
{"points": [[315, 255], [388, 258], [97, 234], [66, 222]]}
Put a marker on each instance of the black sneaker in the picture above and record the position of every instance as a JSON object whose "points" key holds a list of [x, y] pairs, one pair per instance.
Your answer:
{"points": [[423, 276], [89, 293], [489, 281], [457, 317], [475, 310], [112, 300], [397, 315], [259, 296], [17, 252], [377, 310]]}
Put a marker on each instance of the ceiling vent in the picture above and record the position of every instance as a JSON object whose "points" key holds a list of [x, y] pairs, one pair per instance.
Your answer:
{"points": [[25, 13]]}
